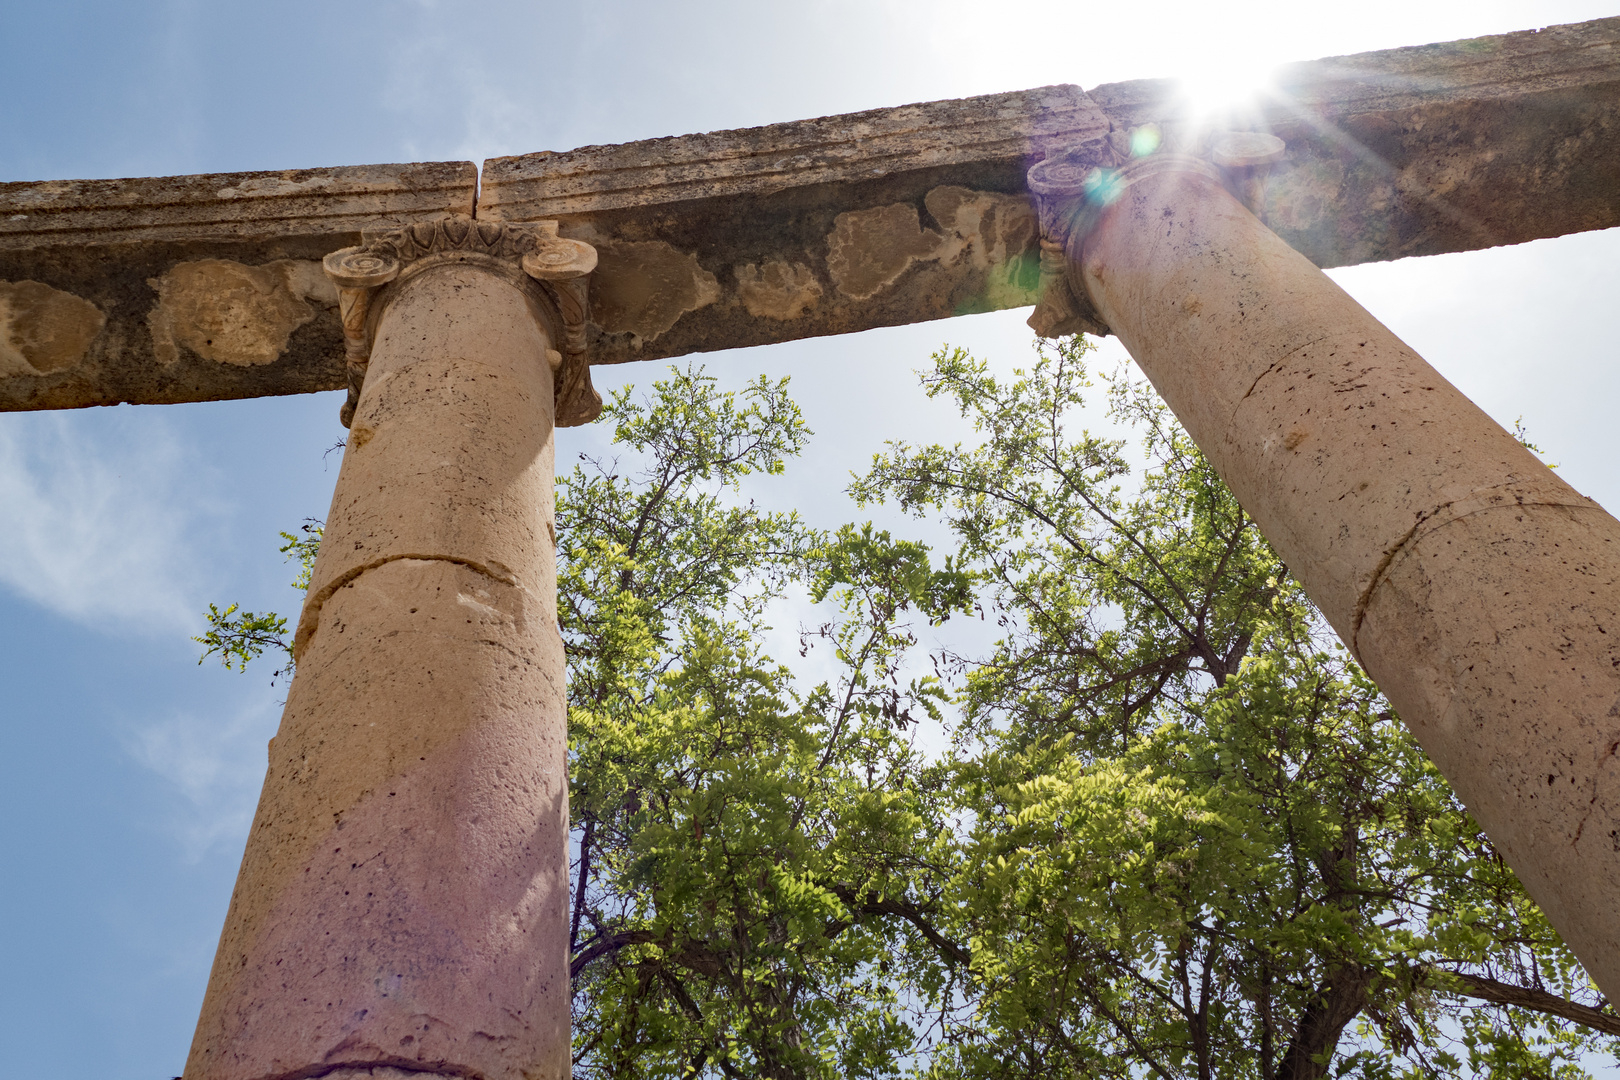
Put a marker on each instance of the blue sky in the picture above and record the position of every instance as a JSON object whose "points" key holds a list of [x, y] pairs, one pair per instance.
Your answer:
{"points": [[127, 772]]}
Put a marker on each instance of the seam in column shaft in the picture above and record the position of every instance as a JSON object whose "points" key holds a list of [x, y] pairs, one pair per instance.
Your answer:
{"points": [[1432, 521], [309, 620]]}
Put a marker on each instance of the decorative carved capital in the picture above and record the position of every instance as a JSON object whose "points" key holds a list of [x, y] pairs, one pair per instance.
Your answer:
{"points": [[1061, 311], [559, 267], [1245, 159], [1074, 187]]}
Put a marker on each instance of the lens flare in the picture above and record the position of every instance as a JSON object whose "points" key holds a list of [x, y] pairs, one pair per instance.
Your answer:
{"points": [[1232, 86]]}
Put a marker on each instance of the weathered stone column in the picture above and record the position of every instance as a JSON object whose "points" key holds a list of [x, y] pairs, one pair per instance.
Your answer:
{"points": [[402, 901], [1479, 590]]}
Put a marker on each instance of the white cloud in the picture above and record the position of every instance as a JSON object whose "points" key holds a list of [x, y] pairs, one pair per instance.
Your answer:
{"points": [[215, 765], [93, 525]]}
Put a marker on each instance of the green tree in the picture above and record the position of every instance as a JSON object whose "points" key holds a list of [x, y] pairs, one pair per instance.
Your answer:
{"points": [[237, 636], [1174, 830], [748, 853], [1202, 844]]}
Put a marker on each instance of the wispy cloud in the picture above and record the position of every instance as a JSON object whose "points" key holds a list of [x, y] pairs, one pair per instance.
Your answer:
{"points": [[216, 767], [461, 92], [93, 524]]}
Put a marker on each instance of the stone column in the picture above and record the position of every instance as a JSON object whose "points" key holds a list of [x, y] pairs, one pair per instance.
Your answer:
{"points": [[1476, 587], [402, 904]]}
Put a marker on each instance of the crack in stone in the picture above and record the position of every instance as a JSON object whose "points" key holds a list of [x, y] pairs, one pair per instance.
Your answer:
{"points": [[1433, 520], [527, 661], [1597, 779], [1281, 360], [343, 1070], [309, 621]]}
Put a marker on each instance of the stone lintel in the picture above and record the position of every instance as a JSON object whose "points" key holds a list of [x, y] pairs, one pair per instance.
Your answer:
{"points": [[969, 135], [218, 207], [803, 229], [191, 288], [795, 230]]}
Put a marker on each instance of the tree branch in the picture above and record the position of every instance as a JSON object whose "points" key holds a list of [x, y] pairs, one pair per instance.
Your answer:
{"points": [[873, 905], [1523, 997], [1323, 1022], [606, 946]]}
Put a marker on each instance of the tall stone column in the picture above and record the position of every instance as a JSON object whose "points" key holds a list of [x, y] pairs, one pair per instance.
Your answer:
{"points": [[402, 904], [1478, 589]]}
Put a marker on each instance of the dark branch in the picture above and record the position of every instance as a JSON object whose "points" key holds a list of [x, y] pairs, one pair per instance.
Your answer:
{"points": [[606, 946], [872, 904], [1523, 997]]}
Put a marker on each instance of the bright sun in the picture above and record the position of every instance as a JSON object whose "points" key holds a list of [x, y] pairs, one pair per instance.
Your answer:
{"points": [[1228, 86]]}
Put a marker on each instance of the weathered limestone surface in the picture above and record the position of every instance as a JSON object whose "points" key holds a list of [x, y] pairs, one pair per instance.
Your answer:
{"points": [[792, 230], [1479, 590], [407, 871], [191, 288]]}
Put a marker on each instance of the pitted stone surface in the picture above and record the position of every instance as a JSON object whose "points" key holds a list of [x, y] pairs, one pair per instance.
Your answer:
{"points": [[231, 313], [1478, 589], [644, 287], [777, 290], [407, 869], [44, 330]]}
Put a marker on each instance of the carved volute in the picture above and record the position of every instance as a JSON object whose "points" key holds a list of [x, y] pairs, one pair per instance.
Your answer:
{"points": [[530, 254]]}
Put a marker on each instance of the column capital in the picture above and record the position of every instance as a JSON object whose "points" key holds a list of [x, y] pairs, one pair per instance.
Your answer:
{"points": [[530, 254], [1073, 188]]}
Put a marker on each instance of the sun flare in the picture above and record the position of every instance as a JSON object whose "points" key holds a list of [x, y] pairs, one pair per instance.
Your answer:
{"points": [[1228, 85]]}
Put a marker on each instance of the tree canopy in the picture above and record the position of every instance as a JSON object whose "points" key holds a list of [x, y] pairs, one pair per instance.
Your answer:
{"points": [[1162, 826]]}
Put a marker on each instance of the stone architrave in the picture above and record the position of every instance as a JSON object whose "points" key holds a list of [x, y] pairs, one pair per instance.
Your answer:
{"points": [[407, 869], [1479, 590]]}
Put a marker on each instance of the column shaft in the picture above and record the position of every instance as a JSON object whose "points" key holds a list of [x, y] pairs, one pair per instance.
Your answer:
{"points": [[403, 894], [1477, 588]]}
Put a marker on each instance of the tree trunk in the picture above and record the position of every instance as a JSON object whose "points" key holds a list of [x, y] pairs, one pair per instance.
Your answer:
{"points": [[1323, 1021]]}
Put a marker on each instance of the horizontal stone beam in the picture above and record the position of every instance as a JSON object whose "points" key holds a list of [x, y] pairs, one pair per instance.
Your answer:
{"points": [[804, 229], [199, 288], [191, 288]]}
